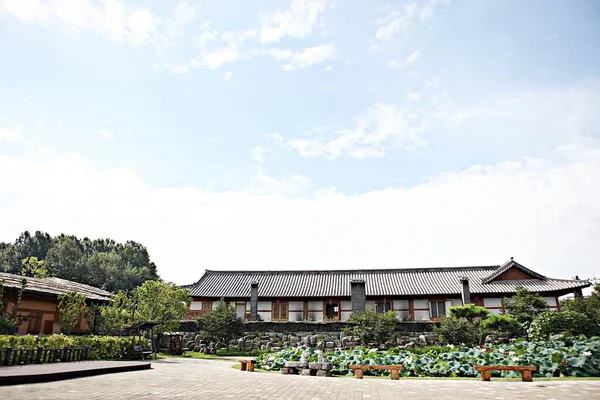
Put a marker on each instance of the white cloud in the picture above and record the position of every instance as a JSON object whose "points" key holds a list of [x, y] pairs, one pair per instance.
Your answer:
{"points": [[227, 76], [405, 19], [374, 130], [217, 58], [110, 19], [258, 153], [183, 15], [11, 134], [105, 122], [105, 133], [305, 58], [328, 68], [543, 212], [296, 21], [178, 69], [411, 59]]}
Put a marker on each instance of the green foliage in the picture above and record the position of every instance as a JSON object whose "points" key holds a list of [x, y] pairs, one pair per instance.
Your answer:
{"points": [[101, 263], [500, 324], [589, 306], [457, 331], [470, 312], [101, 347], [372, 327], [34, 268], [221, 324], [574, 357], [565, 322], [153, 301], [524, 306], [71, 307], [9, 320]]}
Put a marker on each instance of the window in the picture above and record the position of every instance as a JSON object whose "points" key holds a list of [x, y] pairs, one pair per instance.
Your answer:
{"points": [[280, 311], [383, 306], [437, 309], [206, 305]]}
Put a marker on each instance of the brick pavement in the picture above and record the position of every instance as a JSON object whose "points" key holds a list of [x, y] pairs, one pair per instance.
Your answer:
{"points": [[205, 379]]}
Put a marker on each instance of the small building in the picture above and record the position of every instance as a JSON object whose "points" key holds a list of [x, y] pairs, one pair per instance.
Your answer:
{"points": [[422, 294], [38, 307]]}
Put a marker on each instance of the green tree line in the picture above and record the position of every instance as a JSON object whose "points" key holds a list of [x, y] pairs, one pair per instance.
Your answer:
{"points": [[102, 263]]}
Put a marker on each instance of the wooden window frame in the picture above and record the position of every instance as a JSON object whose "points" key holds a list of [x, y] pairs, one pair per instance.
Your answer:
{"points": [[279, 303], [207, 305], [384, 301], [437, 302], [339, 312]]}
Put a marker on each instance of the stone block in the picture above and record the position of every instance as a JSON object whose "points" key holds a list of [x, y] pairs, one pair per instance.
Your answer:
{"points": [[305, 371], [294, 339], [324, 373], [321, 366], [288, 371], [330, 345]]}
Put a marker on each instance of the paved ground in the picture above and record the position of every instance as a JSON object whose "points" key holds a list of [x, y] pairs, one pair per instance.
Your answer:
{"points": [[204, 379]]}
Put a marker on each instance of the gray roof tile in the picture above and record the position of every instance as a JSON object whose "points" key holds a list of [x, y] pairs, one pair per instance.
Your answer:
{"points": [[388, 282]]}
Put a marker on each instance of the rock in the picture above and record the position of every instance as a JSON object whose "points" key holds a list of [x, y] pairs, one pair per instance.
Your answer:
{"points": [[322, 366], [330, 345], [275, 348], [305, 372], [190, 343], [272, 334], [198, 339], [197, 349], [337, 343], [409, 345], [503, 340], [422, 340], [324, 373], [289, 371], [295, 364], [294, 339], [241, 342]]}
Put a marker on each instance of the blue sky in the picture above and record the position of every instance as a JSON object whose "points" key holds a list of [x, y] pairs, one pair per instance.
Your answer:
{"points": [[306, 134]]}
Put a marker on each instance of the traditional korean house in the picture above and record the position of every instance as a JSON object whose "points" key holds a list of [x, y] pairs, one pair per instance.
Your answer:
{"points": [[38, 309], [413, 294]]}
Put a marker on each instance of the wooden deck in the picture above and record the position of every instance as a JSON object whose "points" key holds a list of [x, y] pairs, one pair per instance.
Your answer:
{"points": [[34, 373]]}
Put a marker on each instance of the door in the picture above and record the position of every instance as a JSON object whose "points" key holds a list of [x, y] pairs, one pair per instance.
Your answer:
{"points": [[332, 311], [48, 327]]}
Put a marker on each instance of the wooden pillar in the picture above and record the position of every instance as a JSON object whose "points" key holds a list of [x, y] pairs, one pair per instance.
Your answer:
{"points": [[7, 353], [395, 375], [485, 375], [358, 373], [526, 376], [411, 309]]}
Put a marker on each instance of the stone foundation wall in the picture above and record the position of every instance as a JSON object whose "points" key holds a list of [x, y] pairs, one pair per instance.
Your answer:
{"points": [[277, 335]]}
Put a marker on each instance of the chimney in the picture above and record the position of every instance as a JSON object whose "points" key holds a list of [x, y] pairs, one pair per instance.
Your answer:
{"points": [[466, 292], [254, 301], [358, 295]]}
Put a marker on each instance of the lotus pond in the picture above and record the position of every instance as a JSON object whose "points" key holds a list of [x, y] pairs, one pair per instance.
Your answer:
{"points": [[559, 356]]}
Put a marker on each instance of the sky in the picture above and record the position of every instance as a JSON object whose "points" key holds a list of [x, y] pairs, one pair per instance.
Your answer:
{"points": [[306, 134]]}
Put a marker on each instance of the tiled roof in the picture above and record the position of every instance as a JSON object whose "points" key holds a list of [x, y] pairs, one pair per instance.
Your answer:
{"points": [[382, 282], [53, 286], [508, 265]]}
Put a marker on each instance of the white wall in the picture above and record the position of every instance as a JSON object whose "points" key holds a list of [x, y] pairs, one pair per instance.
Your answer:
{"points": [[315, 310], [264, 305], [196, 305], [346, 305], [345, 315], [370, 304], [492, 302], [265, 316], [296, 305], [400, 304], [456, 302]]}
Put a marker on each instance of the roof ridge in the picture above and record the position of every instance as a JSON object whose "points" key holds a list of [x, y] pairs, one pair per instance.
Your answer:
{"points": [[337, 271]]}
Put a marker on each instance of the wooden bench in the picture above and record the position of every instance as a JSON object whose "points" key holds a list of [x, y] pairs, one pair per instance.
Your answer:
{"points": [[358, 370], [525, 370], [247, 365]]}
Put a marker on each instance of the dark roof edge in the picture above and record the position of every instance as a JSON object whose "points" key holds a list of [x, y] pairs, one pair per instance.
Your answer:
{"points": [[349, 271]]}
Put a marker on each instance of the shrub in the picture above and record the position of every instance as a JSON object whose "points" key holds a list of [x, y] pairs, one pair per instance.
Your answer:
{"points": [[500, 323], [372, 327], [565, 322], [221, 324], [71, 306], [101, 347], [524, 306], [457, 331], [590, 306]]}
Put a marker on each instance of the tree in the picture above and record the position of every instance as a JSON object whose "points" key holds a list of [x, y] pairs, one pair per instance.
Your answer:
{"points": [[34, 268], [118, 314], [63, 259], [372, 327], [71, 307], [524, 306], [500, 324], [470, 312], [161, 302], [457, 331], [221, 324], [589, 306]]}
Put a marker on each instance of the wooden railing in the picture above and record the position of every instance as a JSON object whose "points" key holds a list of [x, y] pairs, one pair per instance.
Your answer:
{"points": [[8, 356]]}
